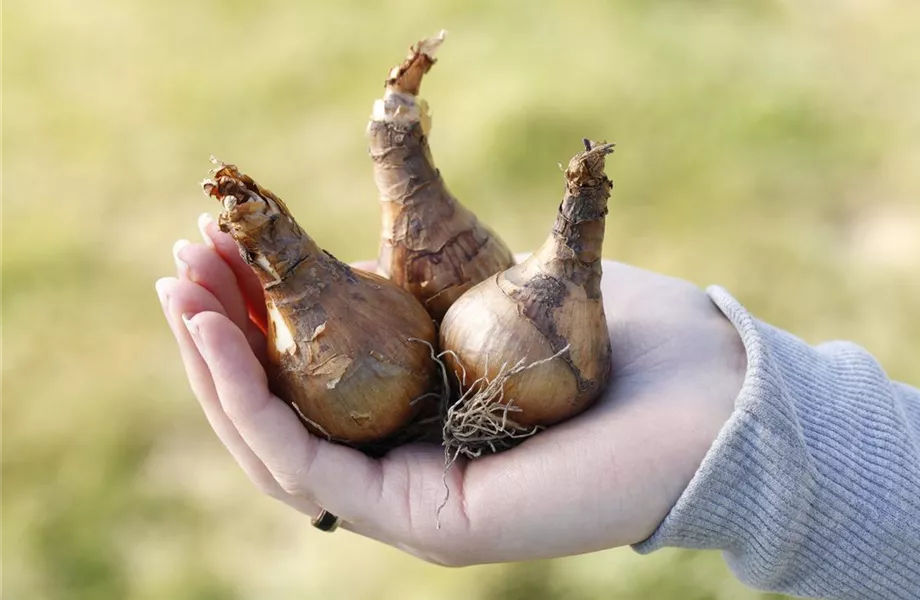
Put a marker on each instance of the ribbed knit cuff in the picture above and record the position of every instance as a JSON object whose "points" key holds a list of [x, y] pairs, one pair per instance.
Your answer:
{"points": [[813, 485]]}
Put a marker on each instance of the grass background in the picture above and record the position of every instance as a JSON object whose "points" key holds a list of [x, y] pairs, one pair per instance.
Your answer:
{"points": [[768, 146]]}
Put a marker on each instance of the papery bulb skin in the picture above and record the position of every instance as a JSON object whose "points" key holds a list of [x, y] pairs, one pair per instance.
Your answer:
{"points": [[342, 343], [431, 245], [546, 314]]}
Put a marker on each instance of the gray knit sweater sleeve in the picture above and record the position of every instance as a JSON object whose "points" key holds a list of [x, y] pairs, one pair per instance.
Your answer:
{"points": [[812, 487]]}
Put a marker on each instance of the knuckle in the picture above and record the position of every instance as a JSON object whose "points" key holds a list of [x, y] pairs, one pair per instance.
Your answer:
{"points": [[269, 488], [263, 486], [242, 413], [266, 484], [293, 480], [237, 414], [290, 484]]}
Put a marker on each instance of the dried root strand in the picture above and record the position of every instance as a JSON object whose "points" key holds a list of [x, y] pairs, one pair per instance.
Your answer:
{"points": [[444, 392], [481, 420]]}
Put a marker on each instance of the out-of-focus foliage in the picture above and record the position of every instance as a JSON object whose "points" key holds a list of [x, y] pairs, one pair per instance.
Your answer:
{"points": [[771, 147]]}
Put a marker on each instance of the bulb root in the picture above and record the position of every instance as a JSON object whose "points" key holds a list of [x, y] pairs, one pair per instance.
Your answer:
{"points": [[481, 420]]}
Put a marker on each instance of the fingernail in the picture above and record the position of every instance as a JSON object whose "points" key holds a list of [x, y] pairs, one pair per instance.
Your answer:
{"points": [[193, 331], [162, 294], [181, 265], [204, 220]]}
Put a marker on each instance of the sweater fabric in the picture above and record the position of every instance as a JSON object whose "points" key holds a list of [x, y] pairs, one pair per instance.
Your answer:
{"points": [[812, 487]]}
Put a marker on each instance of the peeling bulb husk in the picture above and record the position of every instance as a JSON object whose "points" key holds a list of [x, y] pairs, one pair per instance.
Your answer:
{"points": [[431, 245], [339, 339], [529, 347]]}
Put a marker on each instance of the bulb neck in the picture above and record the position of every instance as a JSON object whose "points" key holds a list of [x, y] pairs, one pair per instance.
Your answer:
{"points": [[404, 170], [579, 227], [398, 134], [269, 238], [277, 252], [573, 250]]}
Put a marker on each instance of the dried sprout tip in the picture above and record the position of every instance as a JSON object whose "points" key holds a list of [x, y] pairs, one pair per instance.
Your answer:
{"points": [[406, 78], [588, 166], [429, 46], [598, 147]]}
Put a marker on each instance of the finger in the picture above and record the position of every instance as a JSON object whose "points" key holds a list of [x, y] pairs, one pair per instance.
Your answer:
{"points": [[224, 245], [201, 264], [394, 500], [180, 297], [340, 479]]}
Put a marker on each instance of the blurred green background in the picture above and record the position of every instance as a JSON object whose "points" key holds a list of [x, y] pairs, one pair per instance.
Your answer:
{"points": [[771, 147]]}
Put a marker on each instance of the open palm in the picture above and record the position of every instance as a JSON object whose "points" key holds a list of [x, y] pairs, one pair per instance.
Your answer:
{"points": [[605, 478]]}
